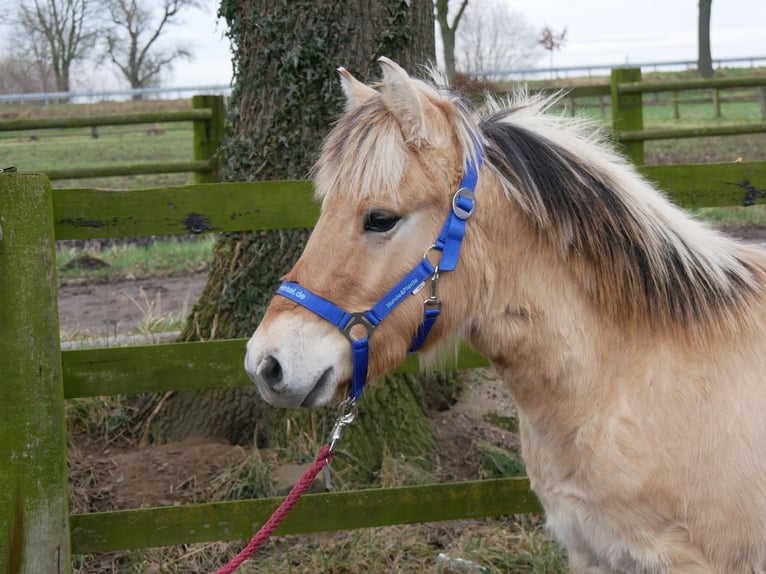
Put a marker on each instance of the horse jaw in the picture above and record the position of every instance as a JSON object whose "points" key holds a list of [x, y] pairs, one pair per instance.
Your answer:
{"points": [[296, 362]]}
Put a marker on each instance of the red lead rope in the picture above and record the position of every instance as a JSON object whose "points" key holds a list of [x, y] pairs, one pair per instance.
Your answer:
{"points": [[324, 457]]}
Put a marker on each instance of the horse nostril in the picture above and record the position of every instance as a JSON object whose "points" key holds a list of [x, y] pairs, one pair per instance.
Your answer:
{"points": [[271, 372]]}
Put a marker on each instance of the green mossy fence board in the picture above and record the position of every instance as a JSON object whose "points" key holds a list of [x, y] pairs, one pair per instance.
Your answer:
{"points": [[92, 213], [175, 366], [105, 120], [33, 473], [708, 185], [314, 513], [203, 208]]}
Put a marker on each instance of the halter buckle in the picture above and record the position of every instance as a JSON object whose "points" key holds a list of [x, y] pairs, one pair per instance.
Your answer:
{"points": [[461, 212]]}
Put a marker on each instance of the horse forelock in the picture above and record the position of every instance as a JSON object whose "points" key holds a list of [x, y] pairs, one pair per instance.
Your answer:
{"points": [[366, 154], [640, 257], [363, 154]]}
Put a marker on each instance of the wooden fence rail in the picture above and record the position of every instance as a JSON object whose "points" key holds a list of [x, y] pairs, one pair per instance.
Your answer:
{"points": [[37, 534], [193, 115]]}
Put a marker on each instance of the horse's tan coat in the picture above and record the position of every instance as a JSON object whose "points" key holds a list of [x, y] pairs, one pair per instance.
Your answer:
{"points": [[644, 434]]}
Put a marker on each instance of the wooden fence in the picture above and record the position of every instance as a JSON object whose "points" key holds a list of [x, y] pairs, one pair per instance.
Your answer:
{"points": [[37, 533], [208, 117]]}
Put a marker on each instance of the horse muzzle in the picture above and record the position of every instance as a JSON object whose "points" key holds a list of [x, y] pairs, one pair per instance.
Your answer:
{"points": [[297, 363]]}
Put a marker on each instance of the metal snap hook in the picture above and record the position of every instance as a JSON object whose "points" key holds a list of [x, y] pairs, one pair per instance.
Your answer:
{"points": [[433, 300]]}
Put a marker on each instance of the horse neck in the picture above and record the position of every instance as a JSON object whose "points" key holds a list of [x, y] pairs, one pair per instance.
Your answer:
{"points": [[531, 318]]}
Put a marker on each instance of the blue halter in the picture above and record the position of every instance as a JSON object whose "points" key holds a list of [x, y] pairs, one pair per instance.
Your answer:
{"points": [[449, 242]]}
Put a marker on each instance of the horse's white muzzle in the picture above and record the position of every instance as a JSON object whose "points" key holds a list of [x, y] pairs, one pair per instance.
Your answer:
{"points": [[296, 362]]}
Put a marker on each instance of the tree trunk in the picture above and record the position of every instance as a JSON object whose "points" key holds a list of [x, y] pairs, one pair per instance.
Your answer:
{"points": [[704, 59], [285, 97], [448, 34]]}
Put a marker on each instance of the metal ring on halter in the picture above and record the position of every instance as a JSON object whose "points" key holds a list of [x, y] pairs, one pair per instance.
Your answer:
{"points": [[425, 255], [358, 319]]}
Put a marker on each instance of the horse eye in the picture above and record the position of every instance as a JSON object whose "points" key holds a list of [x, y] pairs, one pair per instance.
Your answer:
{"points": [[380, 221]]}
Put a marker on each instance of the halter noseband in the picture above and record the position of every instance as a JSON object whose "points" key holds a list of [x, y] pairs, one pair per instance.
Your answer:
{"points": [[449, 242]]}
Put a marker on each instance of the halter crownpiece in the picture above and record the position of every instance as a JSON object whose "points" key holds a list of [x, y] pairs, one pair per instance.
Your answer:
{"points": [[448, 242]]}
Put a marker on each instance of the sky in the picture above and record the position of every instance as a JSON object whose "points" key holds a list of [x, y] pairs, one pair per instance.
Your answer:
{"points": [[599, 32], [638, 31]]}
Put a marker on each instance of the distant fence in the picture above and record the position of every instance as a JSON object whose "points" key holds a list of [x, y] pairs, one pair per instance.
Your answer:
{"points": [[626, 93], [38, 376], [591, 70], [208, 117], [516, 74], [47, 98]]}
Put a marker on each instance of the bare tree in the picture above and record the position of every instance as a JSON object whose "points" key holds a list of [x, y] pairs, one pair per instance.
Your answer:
{"points": [[25, 75], [704, 58], [552, 41], [492, 37], [132, 41], [57, 31], [448, 33]]}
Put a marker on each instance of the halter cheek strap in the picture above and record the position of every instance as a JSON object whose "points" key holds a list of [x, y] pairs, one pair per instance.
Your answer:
{"points": [[448, 242]]}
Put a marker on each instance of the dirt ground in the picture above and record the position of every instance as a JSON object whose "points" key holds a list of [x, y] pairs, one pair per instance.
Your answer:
{"points": [[106, 477], [109, 308]]}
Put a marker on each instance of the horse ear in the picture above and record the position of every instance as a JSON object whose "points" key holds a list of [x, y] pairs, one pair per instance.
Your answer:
{"points": [[354, 90], [402, 99]]}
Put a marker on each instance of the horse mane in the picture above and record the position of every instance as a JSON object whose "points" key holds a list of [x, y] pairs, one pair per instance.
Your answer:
{"points": [[640, 257]]}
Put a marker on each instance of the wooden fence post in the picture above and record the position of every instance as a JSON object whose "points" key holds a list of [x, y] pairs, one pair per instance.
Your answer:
{"points": [[716, 103], [208, 135], [34, 518], [627, 112], [674, 102]]}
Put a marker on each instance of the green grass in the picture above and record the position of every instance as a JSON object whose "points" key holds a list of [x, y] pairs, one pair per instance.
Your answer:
{"points": [[493, 546], [699, 114], [734, 217], [692, 114], [156, 259], [75, 148], [63, 148]]}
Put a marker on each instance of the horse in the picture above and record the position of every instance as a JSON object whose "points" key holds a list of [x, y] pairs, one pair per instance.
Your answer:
{"points": [[631, 335]]}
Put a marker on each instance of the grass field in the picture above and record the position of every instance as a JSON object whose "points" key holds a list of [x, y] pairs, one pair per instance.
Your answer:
{"points": [[130, 260], [43, 150]]}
